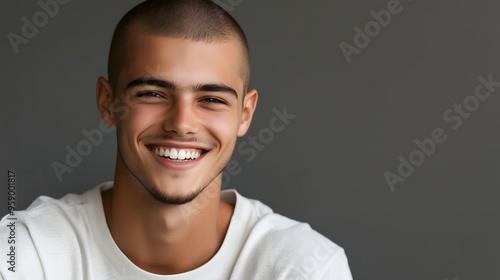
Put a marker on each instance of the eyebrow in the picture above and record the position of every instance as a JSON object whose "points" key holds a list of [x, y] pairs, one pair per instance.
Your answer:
{"points": [[170, 85], [150, 82], [217, 88]]}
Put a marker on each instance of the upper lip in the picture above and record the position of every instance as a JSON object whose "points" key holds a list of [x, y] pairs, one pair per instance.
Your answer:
{"points": [[180, 145]]}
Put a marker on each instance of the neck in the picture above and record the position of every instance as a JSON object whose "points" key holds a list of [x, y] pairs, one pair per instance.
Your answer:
{"points": [[161, 238]]}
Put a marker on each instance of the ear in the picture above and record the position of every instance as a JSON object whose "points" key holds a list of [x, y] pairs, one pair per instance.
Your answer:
{"points": [[249, 105], [104, 98]]}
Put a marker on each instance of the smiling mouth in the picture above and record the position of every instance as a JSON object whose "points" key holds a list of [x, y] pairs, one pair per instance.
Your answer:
{"points": [[176, 154]]}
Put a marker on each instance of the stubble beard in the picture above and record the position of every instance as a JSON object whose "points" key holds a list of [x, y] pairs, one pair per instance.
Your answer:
{"points": [[170, 199]]}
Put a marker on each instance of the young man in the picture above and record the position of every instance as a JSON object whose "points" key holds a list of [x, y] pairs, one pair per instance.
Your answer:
{"points": [[178, 95]]}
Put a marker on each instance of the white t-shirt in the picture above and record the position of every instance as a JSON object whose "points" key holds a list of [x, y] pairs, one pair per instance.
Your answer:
{"points": [[68, 239]]}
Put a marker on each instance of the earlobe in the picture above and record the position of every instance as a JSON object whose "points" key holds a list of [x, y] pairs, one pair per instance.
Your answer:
{"points": [[104, 96], [249, 105]]}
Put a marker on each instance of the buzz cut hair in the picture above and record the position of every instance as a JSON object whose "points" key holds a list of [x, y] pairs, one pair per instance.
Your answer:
{"points": [[197, 20]]}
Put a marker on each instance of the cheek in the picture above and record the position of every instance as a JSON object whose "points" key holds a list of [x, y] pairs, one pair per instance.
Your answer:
{"points": [[222, 126], [139, 119]]}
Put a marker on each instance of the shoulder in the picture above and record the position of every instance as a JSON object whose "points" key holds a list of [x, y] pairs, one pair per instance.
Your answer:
{"points": [[45, 211], [291, 249], [47, 235]]}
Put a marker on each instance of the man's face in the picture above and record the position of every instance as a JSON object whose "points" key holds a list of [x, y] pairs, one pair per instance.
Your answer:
{"points": [[178, 108]]}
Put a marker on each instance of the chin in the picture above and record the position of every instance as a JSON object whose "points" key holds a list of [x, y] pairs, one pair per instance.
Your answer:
{"points": [[174, 198]]}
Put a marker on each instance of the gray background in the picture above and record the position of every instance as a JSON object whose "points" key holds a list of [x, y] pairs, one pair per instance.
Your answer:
{"points": [[353, 121]]}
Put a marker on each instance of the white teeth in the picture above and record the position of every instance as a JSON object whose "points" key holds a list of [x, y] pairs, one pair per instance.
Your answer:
{"points": [[173, 154], [181, 155], [177, 153]]}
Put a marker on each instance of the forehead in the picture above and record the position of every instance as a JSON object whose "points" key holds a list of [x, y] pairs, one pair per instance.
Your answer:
{"points": [[182, 61]]}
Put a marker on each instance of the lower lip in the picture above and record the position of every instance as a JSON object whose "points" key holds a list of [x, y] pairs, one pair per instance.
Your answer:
{"points": [[177, 165]]}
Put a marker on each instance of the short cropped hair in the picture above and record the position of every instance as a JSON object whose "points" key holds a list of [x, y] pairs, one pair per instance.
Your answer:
{"points": [[197, 20]]}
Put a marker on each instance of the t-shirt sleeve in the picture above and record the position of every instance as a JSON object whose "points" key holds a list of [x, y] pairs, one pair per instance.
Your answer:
{"points": [[280, 248], [336, 269]]}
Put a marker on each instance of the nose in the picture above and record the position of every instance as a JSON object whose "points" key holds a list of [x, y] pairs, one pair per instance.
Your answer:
{"points": [[182, 118]]}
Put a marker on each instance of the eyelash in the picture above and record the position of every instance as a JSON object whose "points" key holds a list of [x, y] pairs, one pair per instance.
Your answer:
{"points": [[153, 94], [148, 94], [213, 100]]}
